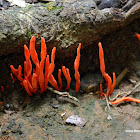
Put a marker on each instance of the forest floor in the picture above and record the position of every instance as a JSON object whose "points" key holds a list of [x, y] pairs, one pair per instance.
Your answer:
{"points": [[43, 116]]}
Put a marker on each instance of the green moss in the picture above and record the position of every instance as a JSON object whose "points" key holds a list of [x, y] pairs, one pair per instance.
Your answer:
{"points": [[51, 7], [29, 34], [43, 4], [29, 7]]}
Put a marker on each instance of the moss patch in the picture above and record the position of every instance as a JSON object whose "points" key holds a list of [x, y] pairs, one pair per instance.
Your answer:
{"points": [[51, 7]]}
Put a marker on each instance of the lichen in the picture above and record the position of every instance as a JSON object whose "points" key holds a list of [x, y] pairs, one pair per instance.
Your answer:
{"points": [[51, 7]]}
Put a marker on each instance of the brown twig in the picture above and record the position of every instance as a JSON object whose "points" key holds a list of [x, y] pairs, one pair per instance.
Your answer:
{"points": [[64, 94], [121, 76], [132, 90]]}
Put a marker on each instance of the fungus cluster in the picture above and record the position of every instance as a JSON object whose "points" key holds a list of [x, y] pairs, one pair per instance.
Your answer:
{"points": [[110, 85], [39, 77]]}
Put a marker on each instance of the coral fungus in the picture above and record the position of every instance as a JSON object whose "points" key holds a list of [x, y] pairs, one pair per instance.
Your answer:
{"points": [[138, 36], [42, 74], [110, 85], [130, 99], [76, 67]]}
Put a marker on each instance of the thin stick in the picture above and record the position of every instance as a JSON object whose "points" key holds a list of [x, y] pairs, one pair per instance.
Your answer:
{"points": [[120, 93], [132, 90], [121, 76], [107, 104], [64, 94]]}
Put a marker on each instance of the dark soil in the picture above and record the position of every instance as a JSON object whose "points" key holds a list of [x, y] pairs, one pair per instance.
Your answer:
{"points": [[43, 116]]}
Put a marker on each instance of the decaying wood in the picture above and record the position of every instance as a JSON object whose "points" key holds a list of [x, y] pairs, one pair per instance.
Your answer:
{"points": [[63, 94], [132, 90], [65, 24], [121, 76]]}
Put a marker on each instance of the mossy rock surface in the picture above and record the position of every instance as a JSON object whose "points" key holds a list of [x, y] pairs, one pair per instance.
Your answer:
{"points": [[65, 24]]}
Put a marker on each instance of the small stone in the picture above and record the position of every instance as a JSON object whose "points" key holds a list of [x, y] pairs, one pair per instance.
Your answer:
{"points": [[74, 119], [109, 117]]}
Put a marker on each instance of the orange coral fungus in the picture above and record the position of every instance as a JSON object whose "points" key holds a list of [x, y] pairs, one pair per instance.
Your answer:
{"points": [[34, 55], [43, 57], [33, 52], [109, 82], [31, 82], [14, 71], [50, 77], [76, 67], [113, 84], [52, 65], [138, 36], [35, 78], [110, 85], [27, 63], [41, 77], [43, 49], [67, 76], [25, 84], [53, 82], [12, 77], [20, 73], [47, 63], [101, 89], [34, 83], [101, 57], [130, 99]]}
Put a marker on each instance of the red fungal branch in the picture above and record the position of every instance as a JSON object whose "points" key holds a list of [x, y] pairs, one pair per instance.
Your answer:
{"points": [[110, 85], [138, 36], [67, 76], [76, 67], [130, 99], [32, 82], [43, 73]]}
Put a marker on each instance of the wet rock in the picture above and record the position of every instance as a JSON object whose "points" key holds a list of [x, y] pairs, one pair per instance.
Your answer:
{"points": [[4, 4], [109, 3], [97, 1], [90, 82], [31, 1], [129, 4], [74, 119], [1, 2]]}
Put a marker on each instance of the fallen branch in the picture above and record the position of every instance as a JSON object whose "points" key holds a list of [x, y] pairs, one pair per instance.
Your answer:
{"points": [[64, 94], [132, 90], [121, 76]]}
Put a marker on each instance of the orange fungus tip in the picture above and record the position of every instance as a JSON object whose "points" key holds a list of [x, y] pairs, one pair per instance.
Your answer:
{"points": [[138, 36], [110, 85], [76, 68]]}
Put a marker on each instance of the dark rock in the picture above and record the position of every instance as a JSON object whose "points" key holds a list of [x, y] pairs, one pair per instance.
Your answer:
{"points": [[31, 1], [1, 2], [109, 3], [90, 82], [129, 4]]}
